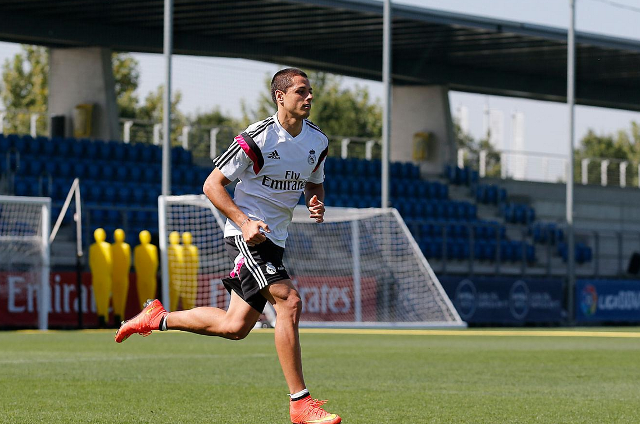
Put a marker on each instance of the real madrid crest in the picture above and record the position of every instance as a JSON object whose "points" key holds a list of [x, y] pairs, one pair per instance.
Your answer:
{"points": [[312, 157], [270, 268]]}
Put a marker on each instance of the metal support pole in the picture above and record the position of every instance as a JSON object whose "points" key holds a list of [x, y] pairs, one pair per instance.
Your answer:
{"points": [[77, 217], [503, 166], [157, 128], [571, 77], [483, 163], [344, 148], [355, 248], [368, 149], [127, 131], [461, 158], [33, 124], [166, 101], [604, 178], [623, 173], [185, 137], [386, 112], [585, 171]]}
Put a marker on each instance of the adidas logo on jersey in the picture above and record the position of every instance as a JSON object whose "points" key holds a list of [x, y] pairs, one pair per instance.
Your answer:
{"points": [[273, 155]]}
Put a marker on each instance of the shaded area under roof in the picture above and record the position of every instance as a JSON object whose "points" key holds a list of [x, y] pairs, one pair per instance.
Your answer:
{"points": [[466, 53]]}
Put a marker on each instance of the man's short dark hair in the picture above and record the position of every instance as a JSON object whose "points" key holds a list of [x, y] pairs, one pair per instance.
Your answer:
{"points": [[283, 79]]}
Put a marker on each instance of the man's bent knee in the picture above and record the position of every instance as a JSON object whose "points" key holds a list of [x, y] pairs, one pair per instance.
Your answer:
{"points": [[291, 306], [237, 331]]}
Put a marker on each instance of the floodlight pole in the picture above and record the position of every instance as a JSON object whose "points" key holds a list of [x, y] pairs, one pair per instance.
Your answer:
{"points": [[166, 100], [386, 111], [571, 62]]}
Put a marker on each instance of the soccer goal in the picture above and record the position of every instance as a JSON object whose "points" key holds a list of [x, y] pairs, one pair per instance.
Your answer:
{"points": [[24, 260], [360, 268]]}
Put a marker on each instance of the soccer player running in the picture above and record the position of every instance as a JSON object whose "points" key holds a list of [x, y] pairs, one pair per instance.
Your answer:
{"points": [[275, 160]]}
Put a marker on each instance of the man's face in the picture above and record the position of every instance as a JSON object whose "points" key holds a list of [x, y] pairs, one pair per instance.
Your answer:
{"points": [[297, 100]]}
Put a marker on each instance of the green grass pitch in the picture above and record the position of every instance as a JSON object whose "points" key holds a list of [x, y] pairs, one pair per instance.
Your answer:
{"points": [[465, 376]]}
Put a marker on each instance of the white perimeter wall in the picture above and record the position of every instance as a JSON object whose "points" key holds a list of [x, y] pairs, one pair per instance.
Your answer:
{"points": [[84, 76], [422, 109]]}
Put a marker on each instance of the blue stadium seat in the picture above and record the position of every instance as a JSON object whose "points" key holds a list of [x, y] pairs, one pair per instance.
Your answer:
{"points": [[135, 152], [50, 149], [373, 168], [64, 148], [396, 169], [98, 217], [33, 146], [176, 157], [344, 187], [122, 172], [123, 195], [78, 150], [65, 169], [360, 168], [4, 144], [105, 150], [156, 153], [113, 219], [31, 165], [109, 194], [90, 148], [178, 174], [138, 192], [95, 192], [18, 143], [108, 172]]}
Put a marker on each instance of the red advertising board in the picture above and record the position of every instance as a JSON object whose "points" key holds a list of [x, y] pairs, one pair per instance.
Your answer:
{"points": [[333, 298], [19, 305], [324, 299]]}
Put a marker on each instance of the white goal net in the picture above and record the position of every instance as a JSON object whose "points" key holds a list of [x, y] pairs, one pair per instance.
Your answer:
{"points": [[24, 261], [361, 267]]}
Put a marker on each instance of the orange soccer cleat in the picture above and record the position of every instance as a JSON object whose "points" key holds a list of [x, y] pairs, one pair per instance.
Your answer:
{"points": [[144, 323], [309, 411]]}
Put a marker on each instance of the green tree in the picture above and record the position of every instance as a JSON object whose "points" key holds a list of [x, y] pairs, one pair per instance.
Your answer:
{"points": [[622, 146], [126, 72], [339, 111], [153, 108], [24, 89], [473, 147], [202, 123]]}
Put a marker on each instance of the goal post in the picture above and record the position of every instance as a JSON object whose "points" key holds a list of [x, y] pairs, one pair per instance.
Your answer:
{"points": [[25, 259], [360, 268]]}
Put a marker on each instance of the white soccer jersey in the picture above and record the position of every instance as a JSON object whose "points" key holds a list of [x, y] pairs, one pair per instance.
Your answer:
{"points": [[272, 168]]}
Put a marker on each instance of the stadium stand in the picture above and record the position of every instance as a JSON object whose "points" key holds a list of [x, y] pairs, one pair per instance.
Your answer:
{"points": [[120, 184]]}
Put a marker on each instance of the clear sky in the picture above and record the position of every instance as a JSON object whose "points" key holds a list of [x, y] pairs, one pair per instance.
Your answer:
{"points": [[211, 82]]}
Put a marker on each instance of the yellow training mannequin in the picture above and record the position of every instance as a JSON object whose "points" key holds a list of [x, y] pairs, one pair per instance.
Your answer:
{"points": [[176, 269], [189, 288], [145, 260], [100, 265], [121, 258]]}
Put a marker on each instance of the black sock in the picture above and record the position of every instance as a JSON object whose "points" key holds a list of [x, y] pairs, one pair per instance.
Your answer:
{"points": [[163, 324], [300, 395]]}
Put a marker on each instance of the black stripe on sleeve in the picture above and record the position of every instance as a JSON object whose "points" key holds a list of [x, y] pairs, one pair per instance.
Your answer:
{"points": [[260, 128], [323, 155], [258, 160], [224, 158]]}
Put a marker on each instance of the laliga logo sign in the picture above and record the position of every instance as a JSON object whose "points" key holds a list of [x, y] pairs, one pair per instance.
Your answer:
{"points": [[519, 300], [589, 300], [466, 299]]}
